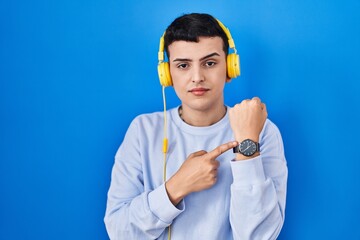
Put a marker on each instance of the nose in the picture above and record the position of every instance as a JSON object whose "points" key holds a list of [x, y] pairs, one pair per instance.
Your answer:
{"points": [[197, 75]]}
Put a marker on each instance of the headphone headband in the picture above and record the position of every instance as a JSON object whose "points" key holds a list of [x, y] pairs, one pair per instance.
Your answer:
{"points": [[228, 34], [161, 48], [225, 29]]}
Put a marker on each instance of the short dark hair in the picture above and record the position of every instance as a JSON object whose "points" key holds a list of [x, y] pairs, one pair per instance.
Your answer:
{"points": [[189, 27]]}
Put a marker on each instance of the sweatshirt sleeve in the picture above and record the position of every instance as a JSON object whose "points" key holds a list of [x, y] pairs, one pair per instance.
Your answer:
{"points": [[132, 212], [258, 192]]}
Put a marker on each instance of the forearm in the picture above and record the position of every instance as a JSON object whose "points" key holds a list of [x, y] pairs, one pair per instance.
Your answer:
{"points": [[256, 214], [143, 217], [257, 206], [175, 193]]}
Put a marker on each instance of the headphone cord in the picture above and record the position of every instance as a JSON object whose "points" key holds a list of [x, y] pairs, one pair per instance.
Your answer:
{"points": [[165, 148]]}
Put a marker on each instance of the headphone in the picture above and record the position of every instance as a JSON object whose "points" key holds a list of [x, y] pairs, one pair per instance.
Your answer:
{"points": [[232, 60]]}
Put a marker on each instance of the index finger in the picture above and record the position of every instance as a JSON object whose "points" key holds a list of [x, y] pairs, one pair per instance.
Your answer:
{"points": [[221, 149]]}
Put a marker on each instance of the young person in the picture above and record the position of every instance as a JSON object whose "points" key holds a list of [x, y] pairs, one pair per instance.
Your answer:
{"points": [[208, 192]]}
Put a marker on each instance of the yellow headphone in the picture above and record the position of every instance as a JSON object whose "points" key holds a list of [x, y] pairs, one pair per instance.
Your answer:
{"points": [[232, 60]]}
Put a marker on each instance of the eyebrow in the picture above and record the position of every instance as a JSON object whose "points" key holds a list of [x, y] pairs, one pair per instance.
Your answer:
{"points": [[189, 60]]}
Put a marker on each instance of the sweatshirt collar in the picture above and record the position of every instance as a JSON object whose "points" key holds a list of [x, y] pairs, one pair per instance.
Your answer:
{"points": [[208, 130]]}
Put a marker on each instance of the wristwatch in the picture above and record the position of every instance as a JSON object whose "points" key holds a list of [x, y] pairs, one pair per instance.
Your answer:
{"points": [[247, 147]]}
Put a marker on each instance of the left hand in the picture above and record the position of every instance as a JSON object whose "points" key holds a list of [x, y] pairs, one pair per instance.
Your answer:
{"points": [[247, 119]]}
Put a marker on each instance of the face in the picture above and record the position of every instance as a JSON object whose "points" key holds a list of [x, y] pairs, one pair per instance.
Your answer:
{"points": [[198, 72]]}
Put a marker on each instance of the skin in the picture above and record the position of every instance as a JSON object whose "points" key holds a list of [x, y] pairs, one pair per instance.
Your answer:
{"points": [[198, 72]]}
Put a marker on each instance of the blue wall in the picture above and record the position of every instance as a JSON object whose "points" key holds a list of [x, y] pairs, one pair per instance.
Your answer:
{"points": [[74, 73]]}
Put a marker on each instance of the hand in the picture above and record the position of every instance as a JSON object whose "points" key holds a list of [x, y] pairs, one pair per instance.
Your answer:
{"points": [[247, 119], [198, 172]]}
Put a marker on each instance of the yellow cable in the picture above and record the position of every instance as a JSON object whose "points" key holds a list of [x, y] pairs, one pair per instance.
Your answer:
{"points": [[169, 232], [165, 147]]}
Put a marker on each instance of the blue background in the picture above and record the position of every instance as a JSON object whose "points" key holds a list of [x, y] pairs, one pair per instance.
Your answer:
{"points": [[73, 74]]}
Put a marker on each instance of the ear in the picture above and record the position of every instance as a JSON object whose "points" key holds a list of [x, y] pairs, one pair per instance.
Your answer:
{"points": [[227, 79]]}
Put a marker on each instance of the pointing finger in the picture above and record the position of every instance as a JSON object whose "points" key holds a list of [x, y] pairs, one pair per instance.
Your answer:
{"points": [[198, 153], [221, 149]]}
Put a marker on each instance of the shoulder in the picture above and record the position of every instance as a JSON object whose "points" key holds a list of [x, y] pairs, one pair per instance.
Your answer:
{"points": [[141, 127], [151, 121], [148, 119], [271, 136], [270, 127]]}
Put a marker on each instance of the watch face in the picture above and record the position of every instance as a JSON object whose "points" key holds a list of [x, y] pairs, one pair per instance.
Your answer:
{"points": [[247, 147]]}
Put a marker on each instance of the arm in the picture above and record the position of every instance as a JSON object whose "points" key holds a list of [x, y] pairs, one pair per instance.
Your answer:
{"points": [[258, 192], [197, 173], [132, 212]]}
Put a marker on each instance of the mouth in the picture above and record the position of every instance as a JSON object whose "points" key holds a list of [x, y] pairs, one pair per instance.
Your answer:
{"points": [[199, 91]]}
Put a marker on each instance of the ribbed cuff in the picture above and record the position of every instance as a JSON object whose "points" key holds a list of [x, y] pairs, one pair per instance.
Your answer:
{"points": [[248, 172], [161, 206]]}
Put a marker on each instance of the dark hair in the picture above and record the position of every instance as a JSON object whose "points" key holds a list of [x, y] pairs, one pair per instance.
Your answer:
{"points": [[190, 27]]}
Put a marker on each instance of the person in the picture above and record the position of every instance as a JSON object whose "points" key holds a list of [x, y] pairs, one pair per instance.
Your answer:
{"points": [[208, 192]]}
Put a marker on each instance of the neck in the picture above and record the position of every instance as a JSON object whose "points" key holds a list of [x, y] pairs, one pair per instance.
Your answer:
{"points": [[202, 118]]}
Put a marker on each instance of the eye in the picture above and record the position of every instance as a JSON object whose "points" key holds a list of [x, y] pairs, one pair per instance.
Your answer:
{"points": [[210, 63], [182, 65]]}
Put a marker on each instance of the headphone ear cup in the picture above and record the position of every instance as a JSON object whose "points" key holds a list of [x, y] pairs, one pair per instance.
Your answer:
{"points": [[164, 74], [233, 65]]}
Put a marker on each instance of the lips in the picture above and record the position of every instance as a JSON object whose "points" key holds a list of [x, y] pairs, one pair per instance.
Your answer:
{"points": [[199, 91]]}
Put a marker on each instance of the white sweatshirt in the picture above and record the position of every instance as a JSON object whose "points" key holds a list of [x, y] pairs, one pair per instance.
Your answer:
{"points": [[247, 201]]}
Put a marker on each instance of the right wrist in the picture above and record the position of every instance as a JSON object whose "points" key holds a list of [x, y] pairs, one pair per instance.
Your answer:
{"points": [[174, 192], [241, 138]]}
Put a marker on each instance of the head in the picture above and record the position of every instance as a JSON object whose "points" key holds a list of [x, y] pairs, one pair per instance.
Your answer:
{"points": [[190, 27], [198, 61]]}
